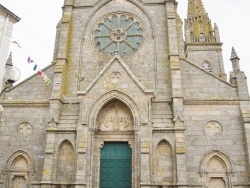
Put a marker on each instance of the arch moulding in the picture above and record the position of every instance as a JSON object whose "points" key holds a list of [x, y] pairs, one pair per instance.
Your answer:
{"points": [[106, 98], [219, 154], [14, 156], [84, 24]]}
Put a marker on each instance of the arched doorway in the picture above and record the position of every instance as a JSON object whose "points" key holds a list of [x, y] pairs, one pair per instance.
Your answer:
{"points": [[217, 170], [115, 165], [19, 170], [115, 123]]}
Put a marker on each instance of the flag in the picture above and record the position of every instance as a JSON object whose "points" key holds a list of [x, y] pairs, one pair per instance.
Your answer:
{"points": [[29, 60], [35, 66], [45, 78], [48, 82]]}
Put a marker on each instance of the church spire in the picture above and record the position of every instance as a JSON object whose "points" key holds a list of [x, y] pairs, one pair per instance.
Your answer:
{"points": [[202, 38], [198, 21], [196, 7]]}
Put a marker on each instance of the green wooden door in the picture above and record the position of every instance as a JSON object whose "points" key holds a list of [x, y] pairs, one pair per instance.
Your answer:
{"points": [[115, 168]]}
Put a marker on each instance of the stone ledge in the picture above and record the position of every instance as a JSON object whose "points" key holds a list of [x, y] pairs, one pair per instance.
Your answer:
{"points": [[24, 103], [61, 130], [212, 102], [169, 129]]}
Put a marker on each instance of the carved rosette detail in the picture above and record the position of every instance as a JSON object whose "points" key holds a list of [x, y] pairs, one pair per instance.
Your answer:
{"points": [[213, 129], [24, 130]]}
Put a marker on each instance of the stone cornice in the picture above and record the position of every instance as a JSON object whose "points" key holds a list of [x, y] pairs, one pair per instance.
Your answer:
{"points": [[213, 101], [168, 129], [65, 130], [25, 103]]}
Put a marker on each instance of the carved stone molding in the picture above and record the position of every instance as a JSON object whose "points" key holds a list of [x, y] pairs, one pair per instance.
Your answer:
{"points": [[24, 130], [115, 116], [213, 129], [115, 77]]}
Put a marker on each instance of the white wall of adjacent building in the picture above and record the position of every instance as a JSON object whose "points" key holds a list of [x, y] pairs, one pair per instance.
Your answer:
{"points": [[7, 21]]}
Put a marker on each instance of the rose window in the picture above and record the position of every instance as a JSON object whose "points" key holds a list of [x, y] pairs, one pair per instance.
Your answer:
{"points": [[118, 33]]}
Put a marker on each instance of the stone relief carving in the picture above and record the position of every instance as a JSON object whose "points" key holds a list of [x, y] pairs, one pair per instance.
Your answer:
{"points": [[213, 129], [115, 116], [53, 122], [24, 130], [115, 77]]}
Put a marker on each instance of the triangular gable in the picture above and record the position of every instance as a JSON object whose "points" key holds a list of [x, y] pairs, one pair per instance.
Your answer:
{"points": [[209, 73], [116, 58], [32, 88], [198, 83]]}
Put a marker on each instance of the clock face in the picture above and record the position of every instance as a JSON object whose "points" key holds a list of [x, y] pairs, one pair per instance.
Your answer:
{"points": [[118, 33]]}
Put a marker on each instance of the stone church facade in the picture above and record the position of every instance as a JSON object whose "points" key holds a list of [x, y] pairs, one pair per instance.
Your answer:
{"points": [[132, 104]]}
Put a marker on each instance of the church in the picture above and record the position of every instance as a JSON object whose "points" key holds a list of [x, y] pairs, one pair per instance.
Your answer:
{"points": [[136, 101]]}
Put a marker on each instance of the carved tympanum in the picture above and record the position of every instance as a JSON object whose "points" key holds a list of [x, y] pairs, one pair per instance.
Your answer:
{"points": [[115, 116]]}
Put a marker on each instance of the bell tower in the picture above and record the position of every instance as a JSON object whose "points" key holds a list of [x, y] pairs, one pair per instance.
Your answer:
{"points": [[202, 41]]}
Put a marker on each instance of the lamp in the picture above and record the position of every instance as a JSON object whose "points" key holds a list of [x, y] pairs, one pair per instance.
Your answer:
{"points": [[12, 74]]}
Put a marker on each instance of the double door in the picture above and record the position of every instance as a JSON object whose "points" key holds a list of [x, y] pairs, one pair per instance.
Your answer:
{"points": [[115, 167]]}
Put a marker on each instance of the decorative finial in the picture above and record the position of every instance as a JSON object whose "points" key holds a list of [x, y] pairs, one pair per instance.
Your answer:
{"points": [[234, 54], [9, 61]]}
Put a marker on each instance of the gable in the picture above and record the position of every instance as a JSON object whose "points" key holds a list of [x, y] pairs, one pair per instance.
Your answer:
{"points": [[116, 76], [116, 81], [200, 84], [32, 88]]}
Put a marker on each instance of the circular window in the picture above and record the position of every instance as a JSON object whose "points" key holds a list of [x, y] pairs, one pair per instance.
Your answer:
{"points": [[118, 33]]}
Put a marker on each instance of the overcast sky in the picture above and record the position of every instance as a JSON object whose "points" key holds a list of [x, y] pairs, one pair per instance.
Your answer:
{"points": [[36, 30]]}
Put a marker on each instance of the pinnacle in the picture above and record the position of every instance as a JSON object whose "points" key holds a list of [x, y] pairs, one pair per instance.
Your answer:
{"points": [[9, 60], [234, 54]]}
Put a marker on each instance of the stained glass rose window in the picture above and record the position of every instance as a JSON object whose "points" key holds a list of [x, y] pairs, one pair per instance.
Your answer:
{"points": [[118, 33]]}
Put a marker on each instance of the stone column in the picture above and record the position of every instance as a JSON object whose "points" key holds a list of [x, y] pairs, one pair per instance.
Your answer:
{"points": [[49, 156], [146, 144], [179, 122], [177, 96], [62, 61], [180, 159], [246, 129], [137, 157], [81, 162]]}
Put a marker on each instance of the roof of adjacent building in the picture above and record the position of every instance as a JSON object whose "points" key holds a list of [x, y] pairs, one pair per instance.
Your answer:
{"points": [[16, 18]]}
